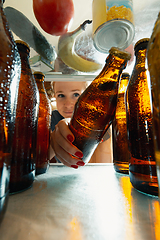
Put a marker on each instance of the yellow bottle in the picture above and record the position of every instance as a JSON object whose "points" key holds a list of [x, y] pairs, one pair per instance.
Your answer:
{"points": [[142, 168], [153, 57], [25, 135], [44, 121], [95, 108], [10, 70], [121, 154]]}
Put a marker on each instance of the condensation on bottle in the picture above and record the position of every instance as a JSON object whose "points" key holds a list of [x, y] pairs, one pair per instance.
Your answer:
{"points": [[10, 69], [44, 121], [121, 155], [95, 108], [153, 56], [142, 167], [25, 136]]}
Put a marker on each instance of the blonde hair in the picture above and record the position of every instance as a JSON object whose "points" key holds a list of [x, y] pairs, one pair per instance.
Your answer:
{"points": [[53, 82]]}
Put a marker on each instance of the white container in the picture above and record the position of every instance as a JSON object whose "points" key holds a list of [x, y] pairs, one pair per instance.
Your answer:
{"points": [[113, 24]]}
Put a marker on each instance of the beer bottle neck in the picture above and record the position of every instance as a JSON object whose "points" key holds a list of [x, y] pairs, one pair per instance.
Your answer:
{"points": [[40, 85], [123, 85], [141, 58], [25, 62], [24, 54], [113, 64]]}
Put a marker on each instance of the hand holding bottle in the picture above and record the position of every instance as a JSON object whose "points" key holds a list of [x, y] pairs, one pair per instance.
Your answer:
{"points": [[61, 143]]}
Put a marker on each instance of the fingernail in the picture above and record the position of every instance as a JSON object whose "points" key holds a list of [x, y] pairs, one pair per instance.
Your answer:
{"points": [[70, 138], [79, 154], [80, 163], [74, 166]]}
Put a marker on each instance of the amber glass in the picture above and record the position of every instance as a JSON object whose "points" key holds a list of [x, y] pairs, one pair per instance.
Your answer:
{"points": [[95, 108], [154, 69], [10, 69], [142, 167], [119, 130], [25, 136], [44, 120]]}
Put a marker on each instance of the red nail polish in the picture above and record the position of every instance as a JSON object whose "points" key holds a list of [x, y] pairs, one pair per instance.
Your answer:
{"points": [[74, 166], [80, 163], [79, 154], [70, 138]]}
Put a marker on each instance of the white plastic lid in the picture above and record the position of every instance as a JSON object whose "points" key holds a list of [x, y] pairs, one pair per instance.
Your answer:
{"points": [[114, 33]]}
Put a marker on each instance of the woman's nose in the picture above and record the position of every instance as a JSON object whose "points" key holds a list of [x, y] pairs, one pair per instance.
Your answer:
{"points": [[69, 102]]}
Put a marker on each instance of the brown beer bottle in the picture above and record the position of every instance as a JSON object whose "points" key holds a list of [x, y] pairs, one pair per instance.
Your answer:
{"points": [[153, 57], [25, 136], [44, 120], [10, 70], [142, 167], [121, 154], [95, 108]]}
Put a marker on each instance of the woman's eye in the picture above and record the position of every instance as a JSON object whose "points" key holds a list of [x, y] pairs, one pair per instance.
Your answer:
{"points": [[60, 96], [76, 94]]}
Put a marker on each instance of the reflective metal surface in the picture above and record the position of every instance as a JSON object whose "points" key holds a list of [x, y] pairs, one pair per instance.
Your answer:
{"points": [[91, 203]]}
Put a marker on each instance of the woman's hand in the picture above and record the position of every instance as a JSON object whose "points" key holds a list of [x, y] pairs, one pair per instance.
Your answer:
{"points": [[61, 143]]}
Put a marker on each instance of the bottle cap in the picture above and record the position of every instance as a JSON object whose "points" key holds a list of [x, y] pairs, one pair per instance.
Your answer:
{"points": [[22, 43], [143, 40], [120, 53], [39, 76], [39, 73], [125, 75]]}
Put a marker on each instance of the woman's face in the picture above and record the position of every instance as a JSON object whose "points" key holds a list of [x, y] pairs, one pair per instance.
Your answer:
{"points": [[66, 94]]}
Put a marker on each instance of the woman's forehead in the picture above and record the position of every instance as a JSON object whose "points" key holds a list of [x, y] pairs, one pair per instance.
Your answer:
{"points": [[68, 86]]}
